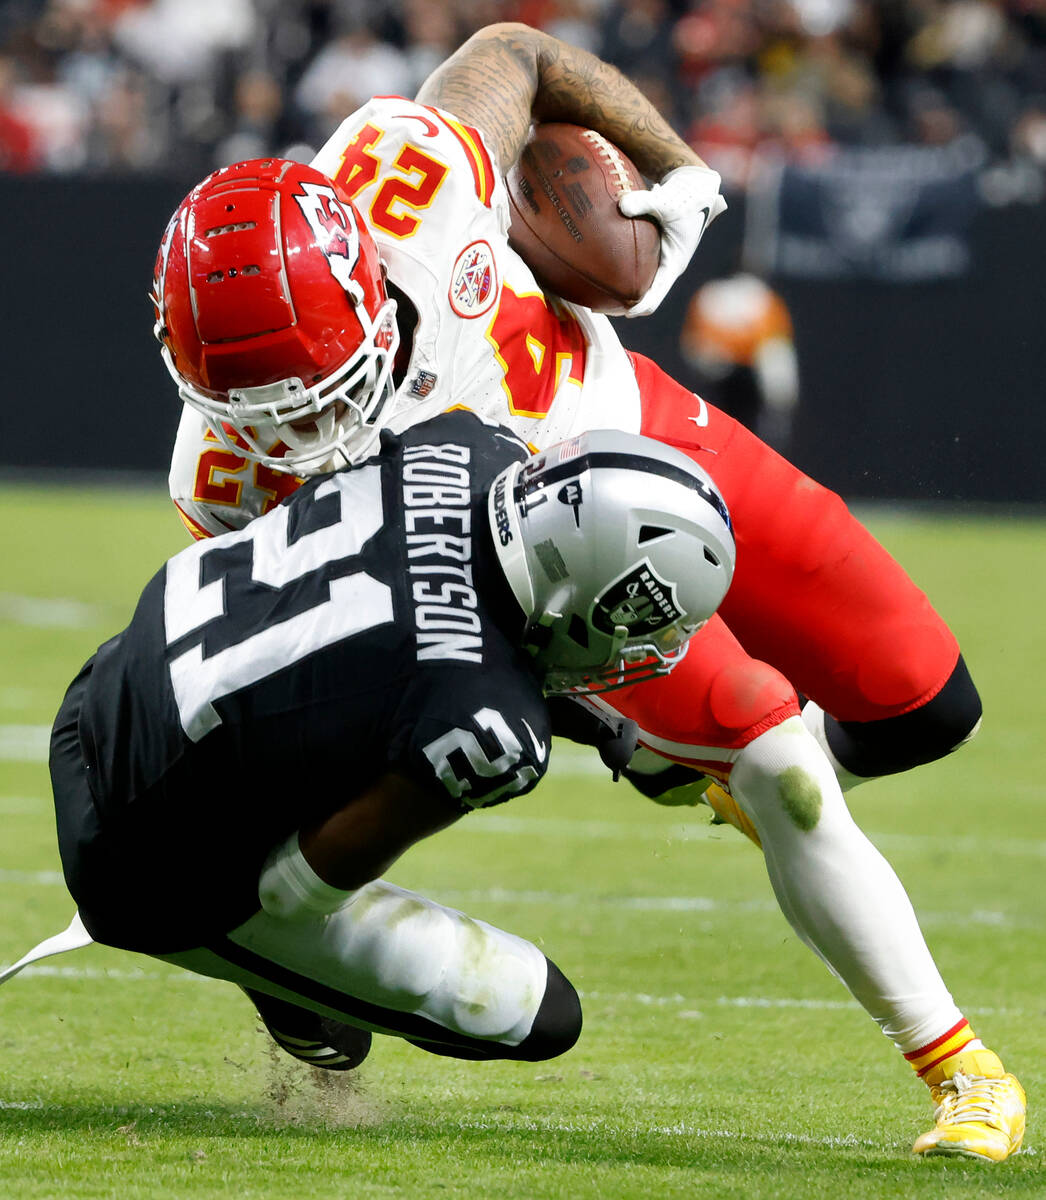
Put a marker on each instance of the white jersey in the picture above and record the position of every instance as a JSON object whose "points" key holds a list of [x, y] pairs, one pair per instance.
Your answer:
{"points": [[486, 339]]}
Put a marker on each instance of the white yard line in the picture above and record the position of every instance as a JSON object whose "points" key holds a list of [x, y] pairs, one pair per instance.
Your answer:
{"points": [[616, 1129], [49, 612], [29, 743], [600, 1125], [33, 878], [123, 974], [21, 698], [682, 1130], [700, 828], [24, 743], [638, 999], [24, 804], [572, 901]]}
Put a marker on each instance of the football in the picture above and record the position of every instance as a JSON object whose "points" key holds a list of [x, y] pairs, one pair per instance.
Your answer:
{"points": [[563, 195]]}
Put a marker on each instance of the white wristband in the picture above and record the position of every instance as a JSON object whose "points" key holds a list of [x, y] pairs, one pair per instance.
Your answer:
{"points": [[290, 889]]}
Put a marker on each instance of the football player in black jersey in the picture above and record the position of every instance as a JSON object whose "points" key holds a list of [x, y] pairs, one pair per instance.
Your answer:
{"points": [[297, 702]]}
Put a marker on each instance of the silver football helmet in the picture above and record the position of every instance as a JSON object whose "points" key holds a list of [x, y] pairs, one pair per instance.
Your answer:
{"points": [[617, 549]]}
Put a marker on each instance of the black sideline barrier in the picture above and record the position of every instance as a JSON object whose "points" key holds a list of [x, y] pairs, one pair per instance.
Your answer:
{"points": [[924, 392]]}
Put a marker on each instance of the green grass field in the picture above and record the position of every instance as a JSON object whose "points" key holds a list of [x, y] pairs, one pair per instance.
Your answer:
{"points": [[719, 1058]]}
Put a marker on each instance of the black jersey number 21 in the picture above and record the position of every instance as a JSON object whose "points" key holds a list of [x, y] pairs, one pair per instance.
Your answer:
{"points": [[344, 606]]}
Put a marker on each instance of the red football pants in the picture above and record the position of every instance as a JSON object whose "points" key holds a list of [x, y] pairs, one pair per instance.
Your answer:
{"points": [[816, 604]]}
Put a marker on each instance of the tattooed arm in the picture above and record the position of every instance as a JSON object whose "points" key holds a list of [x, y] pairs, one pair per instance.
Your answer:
{"points": [[508, 75]]}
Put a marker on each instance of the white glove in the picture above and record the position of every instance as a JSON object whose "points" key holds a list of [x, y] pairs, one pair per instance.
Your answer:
{"points": [[684, 204]]}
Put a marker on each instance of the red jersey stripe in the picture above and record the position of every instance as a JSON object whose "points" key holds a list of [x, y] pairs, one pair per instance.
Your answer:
{"points": [[479, 160], [197, 531]]}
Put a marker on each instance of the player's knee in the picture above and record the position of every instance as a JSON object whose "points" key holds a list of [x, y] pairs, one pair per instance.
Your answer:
{"points": [[740, 701], [956, 709], [555, 1029], [747, 698], [557, 1025], [926, 733]]}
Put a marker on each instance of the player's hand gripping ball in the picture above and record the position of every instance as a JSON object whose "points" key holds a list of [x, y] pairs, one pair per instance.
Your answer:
{"points": [[566, 225]]}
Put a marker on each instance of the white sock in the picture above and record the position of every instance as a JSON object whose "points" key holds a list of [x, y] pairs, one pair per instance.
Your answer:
{"points": [[837, 891], [290, 889]]}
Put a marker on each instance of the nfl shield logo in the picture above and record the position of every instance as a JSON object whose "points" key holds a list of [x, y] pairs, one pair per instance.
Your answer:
{"points": [[422, 383]]}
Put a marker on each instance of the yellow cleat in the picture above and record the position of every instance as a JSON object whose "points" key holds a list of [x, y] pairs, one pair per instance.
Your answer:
{"points": [[702, 791], [728, 811], [978, 1116]]}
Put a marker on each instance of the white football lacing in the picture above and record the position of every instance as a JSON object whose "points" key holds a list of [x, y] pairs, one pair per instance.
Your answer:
{"points": [[971, 1099], [615, 163]]}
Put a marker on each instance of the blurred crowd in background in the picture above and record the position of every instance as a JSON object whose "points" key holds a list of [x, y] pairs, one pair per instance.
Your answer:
{"points": [[157, 85]]}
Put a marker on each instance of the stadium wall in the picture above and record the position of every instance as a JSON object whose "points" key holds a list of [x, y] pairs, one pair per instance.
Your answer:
{"points": [[918, 392]]}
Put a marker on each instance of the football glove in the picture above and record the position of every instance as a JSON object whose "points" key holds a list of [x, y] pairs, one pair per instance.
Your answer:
{"points": [[684, 204]]}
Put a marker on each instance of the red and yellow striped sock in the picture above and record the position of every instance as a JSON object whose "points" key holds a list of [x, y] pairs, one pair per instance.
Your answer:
{"points": [[935, 1061]]}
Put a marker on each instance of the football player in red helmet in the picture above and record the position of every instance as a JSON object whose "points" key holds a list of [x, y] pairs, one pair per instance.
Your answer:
{"points": [[816, 605], [272, 315]]}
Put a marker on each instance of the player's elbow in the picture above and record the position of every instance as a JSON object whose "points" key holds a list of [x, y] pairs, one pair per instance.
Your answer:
{"points": [[528, 47], [507, 29], [921, 735], [519, 38]]}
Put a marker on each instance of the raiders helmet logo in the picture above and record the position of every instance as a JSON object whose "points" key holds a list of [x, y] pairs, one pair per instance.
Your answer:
{"points": [[640, 601]]}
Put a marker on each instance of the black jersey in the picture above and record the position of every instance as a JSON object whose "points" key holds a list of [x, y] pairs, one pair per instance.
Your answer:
{"points": [[268, 675]]}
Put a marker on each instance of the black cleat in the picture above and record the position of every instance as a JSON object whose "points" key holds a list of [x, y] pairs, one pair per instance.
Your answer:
{"points": [[313, 1039]]}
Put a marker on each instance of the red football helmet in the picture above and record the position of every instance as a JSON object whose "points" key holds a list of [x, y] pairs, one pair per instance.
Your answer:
{"points": [[272, 315]]}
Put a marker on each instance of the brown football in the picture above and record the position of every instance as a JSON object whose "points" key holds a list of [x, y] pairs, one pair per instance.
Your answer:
{"points": [[563, 195]]}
